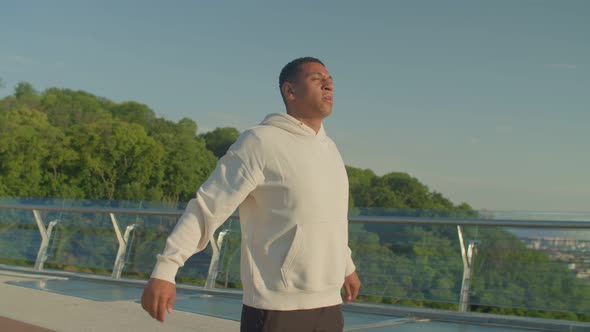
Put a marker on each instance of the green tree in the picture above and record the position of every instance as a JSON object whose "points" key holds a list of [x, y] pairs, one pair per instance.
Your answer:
{"points": [[186, 163], [58, 176], [67, 108], [118, 160], [133, 112], [220, 139], [23, 90], [25, 141], [360, 182]]}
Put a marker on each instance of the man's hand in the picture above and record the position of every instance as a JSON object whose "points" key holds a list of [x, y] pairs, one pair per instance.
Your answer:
{"points": [[158, 297], [352, 284]]}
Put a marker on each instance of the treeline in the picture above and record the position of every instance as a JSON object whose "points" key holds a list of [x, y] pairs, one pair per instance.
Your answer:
{"points": [[70, 144]]}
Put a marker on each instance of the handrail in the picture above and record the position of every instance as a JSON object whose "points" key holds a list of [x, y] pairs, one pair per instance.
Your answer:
{"points": [[53, 208], [569, 224], [473, 222]]}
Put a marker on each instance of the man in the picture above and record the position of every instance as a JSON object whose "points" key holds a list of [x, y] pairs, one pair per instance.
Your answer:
{"points": [[290, 184]]}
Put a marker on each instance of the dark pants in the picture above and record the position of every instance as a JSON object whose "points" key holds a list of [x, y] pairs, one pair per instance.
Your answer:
{"points": [[327, 319]]}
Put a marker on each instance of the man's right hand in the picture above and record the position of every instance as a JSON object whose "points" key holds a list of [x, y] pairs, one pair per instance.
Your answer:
{"points": [[158, 297]]}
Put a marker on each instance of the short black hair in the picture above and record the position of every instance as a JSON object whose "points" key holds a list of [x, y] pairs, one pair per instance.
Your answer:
{"points": [[289, 72]]}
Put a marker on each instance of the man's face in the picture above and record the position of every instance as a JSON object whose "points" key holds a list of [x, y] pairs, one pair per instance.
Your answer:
{"points": [[313, 91]]}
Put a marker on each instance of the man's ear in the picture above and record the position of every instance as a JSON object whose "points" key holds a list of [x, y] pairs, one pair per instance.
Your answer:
{"points": [[288, 90]]}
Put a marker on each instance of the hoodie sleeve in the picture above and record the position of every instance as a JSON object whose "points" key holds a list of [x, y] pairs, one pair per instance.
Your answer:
{"points": [[235, 176]]}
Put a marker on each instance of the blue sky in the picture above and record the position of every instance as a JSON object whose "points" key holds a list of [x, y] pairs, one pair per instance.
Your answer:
{"points": [[487, 102]]}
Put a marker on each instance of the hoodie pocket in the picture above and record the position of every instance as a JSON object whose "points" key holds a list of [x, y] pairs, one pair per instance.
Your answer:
{"points": [[317, 257]]}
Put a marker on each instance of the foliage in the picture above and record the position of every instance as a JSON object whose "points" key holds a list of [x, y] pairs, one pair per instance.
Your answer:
{"points": [[220, 139], [72, 144]]}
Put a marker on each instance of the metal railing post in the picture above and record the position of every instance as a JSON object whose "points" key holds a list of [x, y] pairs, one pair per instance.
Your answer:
{"points": [[467, 256], [42, 253], [214, 265], [119, 264], [50, 236]]}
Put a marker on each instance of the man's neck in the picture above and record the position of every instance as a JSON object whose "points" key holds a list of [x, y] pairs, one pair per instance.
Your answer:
{"points": [[313, 123]]}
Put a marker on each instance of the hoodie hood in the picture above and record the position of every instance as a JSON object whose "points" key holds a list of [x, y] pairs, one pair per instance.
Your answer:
{"points": [[292, 125]]}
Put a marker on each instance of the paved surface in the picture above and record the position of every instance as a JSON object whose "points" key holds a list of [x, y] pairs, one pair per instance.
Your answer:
{"points": [[7, 324], [50, 311], [33, 310]]}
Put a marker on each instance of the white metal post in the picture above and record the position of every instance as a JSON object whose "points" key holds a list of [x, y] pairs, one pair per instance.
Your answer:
{"points": [[122, 239], [41, 254], [467, 256], [214, 265]]}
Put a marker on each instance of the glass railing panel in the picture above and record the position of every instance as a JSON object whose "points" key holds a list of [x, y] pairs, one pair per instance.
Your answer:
{"points": [[530, 268], [19, 237], [229, 261], [149, 239], [83, 242], [407, 264], [146, 240], [410, 264]]}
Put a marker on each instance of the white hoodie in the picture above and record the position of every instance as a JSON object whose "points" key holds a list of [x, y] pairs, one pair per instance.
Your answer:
{"points": [[292, 191]]}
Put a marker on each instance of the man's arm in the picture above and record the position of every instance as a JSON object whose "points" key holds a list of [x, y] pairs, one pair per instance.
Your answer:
{"points": [[229, 184], [216, 200], [352, 283]]}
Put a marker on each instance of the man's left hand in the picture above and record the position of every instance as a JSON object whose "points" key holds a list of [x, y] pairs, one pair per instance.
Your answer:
{"points": [[352, 284]]}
